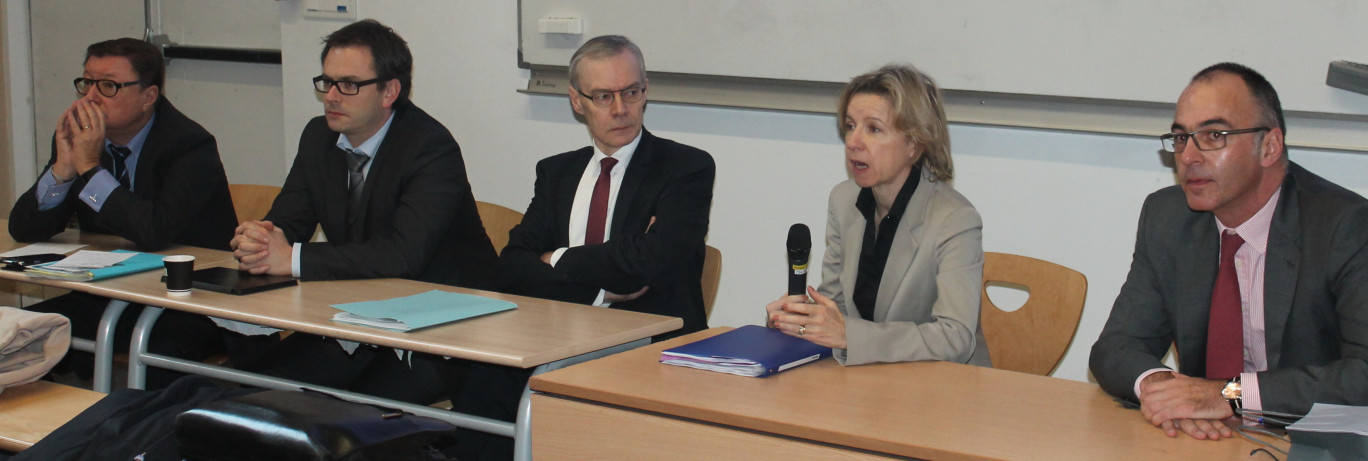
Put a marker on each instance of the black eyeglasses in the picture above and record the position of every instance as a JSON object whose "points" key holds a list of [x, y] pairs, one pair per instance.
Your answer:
{"points": [[324, 84], [629, 95], [109, 88], [1205, 139]]}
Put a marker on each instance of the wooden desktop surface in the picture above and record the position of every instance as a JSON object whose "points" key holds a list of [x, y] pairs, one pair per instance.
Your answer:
{"points": [[31, 411], [537, 332], [931, 410], [98, 242]]}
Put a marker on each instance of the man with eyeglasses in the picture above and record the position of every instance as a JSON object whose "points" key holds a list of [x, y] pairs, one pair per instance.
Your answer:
{"points": [[126, 162], [387, 184], [619, 223], [1255, 269]]}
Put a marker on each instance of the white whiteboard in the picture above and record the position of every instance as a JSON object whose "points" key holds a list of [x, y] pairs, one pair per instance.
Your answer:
{"points": [[1107, 49]]}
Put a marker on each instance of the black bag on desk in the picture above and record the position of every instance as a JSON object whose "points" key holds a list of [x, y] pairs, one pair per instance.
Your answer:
{"points": [[290, 425]]}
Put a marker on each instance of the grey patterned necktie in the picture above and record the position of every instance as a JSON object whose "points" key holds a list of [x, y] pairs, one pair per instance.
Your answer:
{"points": [[356, 165]]}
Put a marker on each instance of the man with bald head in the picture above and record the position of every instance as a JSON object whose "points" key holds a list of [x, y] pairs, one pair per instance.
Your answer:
{"points": [[1255, 269]]}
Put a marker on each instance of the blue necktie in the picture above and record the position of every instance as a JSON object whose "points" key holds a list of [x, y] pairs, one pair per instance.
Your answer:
{"points": [[115, 163]]}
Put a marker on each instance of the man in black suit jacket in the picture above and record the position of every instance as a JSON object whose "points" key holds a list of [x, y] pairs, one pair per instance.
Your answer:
{"points": [[127, 163], [1297, 278], [405, 211], [644, 253]]}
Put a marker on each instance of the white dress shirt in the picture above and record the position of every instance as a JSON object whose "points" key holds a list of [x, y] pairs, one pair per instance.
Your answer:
{"points": [[579, 209]]}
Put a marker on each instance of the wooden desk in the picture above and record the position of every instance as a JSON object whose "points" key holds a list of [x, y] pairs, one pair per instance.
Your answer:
{"points": [[102, 346], [537, 332], [32, 411], [622, 406], [540, 334]]}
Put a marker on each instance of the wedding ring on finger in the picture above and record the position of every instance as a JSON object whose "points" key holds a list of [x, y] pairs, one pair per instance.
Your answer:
{"points": [[802, 330]]}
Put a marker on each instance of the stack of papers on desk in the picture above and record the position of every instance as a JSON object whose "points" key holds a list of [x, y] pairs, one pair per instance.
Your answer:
{"points": [[418, 311], [87, 265], [1330, 432], [751, 350], [43, 248]]}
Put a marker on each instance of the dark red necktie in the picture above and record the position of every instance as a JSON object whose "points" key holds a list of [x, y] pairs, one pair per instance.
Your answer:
{"points": [[1225, 329], [598, 203]]}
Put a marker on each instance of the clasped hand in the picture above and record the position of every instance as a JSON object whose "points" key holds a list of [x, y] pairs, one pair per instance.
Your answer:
{"points": [[79, 139], [817, 320], [1194, 406], [261, 248]]}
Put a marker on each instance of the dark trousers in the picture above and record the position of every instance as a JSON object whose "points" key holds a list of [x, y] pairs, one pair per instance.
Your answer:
{"points": [[176, 334], [493, 392], [422, 379]]}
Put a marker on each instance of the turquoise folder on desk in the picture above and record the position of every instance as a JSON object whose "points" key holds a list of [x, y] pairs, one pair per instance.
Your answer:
{"points": [[418, 311], [139, 262], [751, 350]]}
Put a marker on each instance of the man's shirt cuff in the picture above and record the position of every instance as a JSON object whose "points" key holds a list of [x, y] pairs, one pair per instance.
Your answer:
{"points": [[1249, 392], [98, 188], [294, 263], [49, 192], [1146, 375], [556, 255]]}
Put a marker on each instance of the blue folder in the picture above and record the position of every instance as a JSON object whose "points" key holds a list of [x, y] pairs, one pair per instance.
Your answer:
{"points": [[751, 350], [139, 262], [422, 310]]}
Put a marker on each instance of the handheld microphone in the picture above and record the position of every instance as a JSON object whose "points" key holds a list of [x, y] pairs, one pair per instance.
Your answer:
{"points": [[799, 246]]}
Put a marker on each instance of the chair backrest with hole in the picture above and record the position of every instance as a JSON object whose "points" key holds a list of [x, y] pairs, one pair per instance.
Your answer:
{"points": [[1031, 339]]}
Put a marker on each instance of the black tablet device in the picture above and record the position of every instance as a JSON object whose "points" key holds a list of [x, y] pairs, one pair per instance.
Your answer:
{"points": [[19, 263], [233, 281]]}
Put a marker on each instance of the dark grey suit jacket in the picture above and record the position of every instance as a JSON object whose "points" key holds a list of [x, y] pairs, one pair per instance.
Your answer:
{"points": [[418, 219], [667, 181], [1315, 296]]}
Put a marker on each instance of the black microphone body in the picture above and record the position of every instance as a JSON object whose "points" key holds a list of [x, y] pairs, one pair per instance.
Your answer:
{"points": [[799, 247]]}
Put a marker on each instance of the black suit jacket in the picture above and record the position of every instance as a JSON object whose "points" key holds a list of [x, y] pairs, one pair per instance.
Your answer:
{"points": [[418, 218], [665, 180], [180, 194], [1315, 296]]}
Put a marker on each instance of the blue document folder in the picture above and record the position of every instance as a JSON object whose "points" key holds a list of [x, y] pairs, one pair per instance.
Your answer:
{"points": [[751, 350], [418, 311], [139, 262]]}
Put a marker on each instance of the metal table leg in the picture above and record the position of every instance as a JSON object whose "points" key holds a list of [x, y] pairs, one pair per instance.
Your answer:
{"points": [[522, 429], [104, 345], [137, 370]]}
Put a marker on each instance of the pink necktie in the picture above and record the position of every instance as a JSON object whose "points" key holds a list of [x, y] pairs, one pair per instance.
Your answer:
{"points": [[1225, 328], [598, 203]]}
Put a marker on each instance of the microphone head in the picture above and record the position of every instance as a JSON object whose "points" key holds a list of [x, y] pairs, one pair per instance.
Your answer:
{"points": [[799, 239]]}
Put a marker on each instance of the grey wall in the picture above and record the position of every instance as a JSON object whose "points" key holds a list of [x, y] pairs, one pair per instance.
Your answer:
{"points": [[240, 103]]}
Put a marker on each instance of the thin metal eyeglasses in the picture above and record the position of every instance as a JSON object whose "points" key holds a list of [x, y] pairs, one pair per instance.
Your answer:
{"points": [[629, 95], [1205, 139], [324, 84], [108, 88]]}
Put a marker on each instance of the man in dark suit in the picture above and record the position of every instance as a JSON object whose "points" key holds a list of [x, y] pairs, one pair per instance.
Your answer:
{"points": [[127, 163], [388, 186], [1254, 268], [619, 224]]}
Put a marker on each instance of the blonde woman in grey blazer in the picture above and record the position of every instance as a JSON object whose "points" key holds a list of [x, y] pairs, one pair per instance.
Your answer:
{"points": [[904, 253]]}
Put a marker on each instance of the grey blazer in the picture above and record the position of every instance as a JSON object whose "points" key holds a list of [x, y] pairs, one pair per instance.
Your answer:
{"points": [[928, 303], [1315, 296]]}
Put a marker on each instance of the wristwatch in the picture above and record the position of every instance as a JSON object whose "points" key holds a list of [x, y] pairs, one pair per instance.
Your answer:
{"points": [[1231, 392]]}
